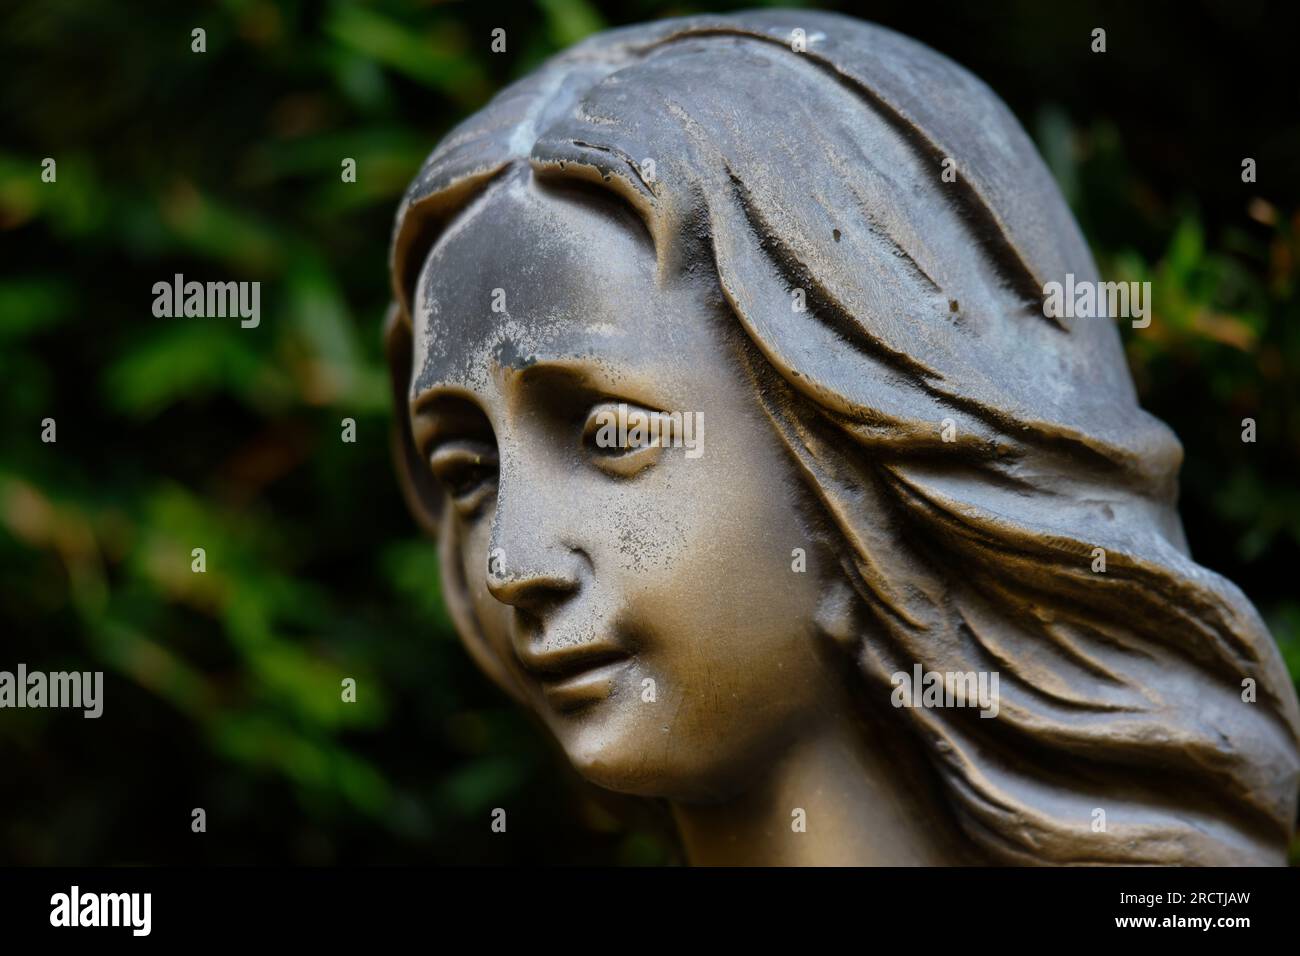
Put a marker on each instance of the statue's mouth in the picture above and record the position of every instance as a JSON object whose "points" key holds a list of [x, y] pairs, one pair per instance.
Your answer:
{"points": [[592, 684], [575, 676]]}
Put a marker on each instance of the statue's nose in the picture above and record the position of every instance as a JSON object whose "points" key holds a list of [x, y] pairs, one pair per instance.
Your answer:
{"points": [[528, 564], [527, 587]]}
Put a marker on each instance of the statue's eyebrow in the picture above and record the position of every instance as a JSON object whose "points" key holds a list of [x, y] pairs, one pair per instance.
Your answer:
{"points": [[444, 412], [424, 401], [584, 374]]}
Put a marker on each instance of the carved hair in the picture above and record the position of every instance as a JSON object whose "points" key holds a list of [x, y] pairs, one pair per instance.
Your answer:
{"points": [[820, 170]]}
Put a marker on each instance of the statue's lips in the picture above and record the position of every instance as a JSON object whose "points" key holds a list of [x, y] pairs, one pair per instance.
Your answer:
{"points": [[573, 676], [587, 687]]}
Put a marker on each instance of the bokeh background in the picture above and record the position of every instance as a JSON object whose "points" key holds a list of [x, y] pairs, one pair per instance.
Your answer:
{"points": [[222, 689]]}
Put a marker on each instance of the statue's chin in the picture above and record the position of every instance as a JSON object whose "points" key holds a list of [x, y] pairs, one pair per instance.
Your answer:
{"points": [[625, 751], [612, 746]]}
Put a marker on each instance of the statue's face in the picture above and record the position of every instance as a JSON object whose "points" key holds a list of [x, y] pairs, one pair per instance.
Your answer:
{"points": [[642, 597]]}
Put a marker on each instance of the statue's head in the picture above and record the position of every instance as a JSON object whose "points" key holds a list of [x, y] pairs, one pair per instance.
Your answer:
{"points": [[725, 385]]}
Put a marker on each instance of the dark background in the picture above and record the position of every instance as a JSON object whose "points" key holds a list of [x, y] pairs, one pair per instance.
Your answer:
{"points": [[222, 689]]}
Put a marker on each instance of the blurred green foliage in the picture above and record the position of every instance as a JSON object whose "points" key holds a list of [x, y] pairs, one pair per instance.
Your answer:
{"points": [[223, 688]]}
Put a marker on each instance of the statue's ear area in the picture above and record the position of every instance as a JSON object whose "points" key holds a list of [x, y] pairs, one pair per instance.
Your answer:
{"points": [[423, 495]]}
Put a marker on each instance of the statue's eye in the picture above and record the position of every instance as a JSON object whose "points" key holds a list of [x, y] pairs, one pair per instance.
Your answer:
{"points": [[623, 439], [467, 470]]}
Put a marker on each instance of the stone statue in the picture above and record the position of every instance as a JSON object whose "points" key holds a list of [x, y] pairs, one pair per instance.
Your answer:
{"points": [[761, 474]]}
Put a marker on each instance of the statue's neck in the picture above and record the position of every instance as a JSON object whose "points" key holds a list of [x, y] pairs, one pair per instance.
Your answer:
{"points": [[862, 804]]}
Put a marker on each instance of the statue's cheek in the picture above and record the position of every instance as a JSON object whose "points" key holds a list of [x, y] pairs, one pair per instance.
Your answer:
{"points": [[481, 621]]}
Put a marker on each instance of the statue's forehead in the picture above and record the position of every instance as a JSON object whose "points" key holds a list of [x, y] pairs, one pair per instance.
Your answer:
{"points": [[525, 274]]}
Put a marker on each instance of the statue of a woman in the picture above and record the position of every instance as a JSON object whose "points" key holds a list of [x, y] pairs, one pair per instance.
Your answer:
{"points": [[726, 385]]}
